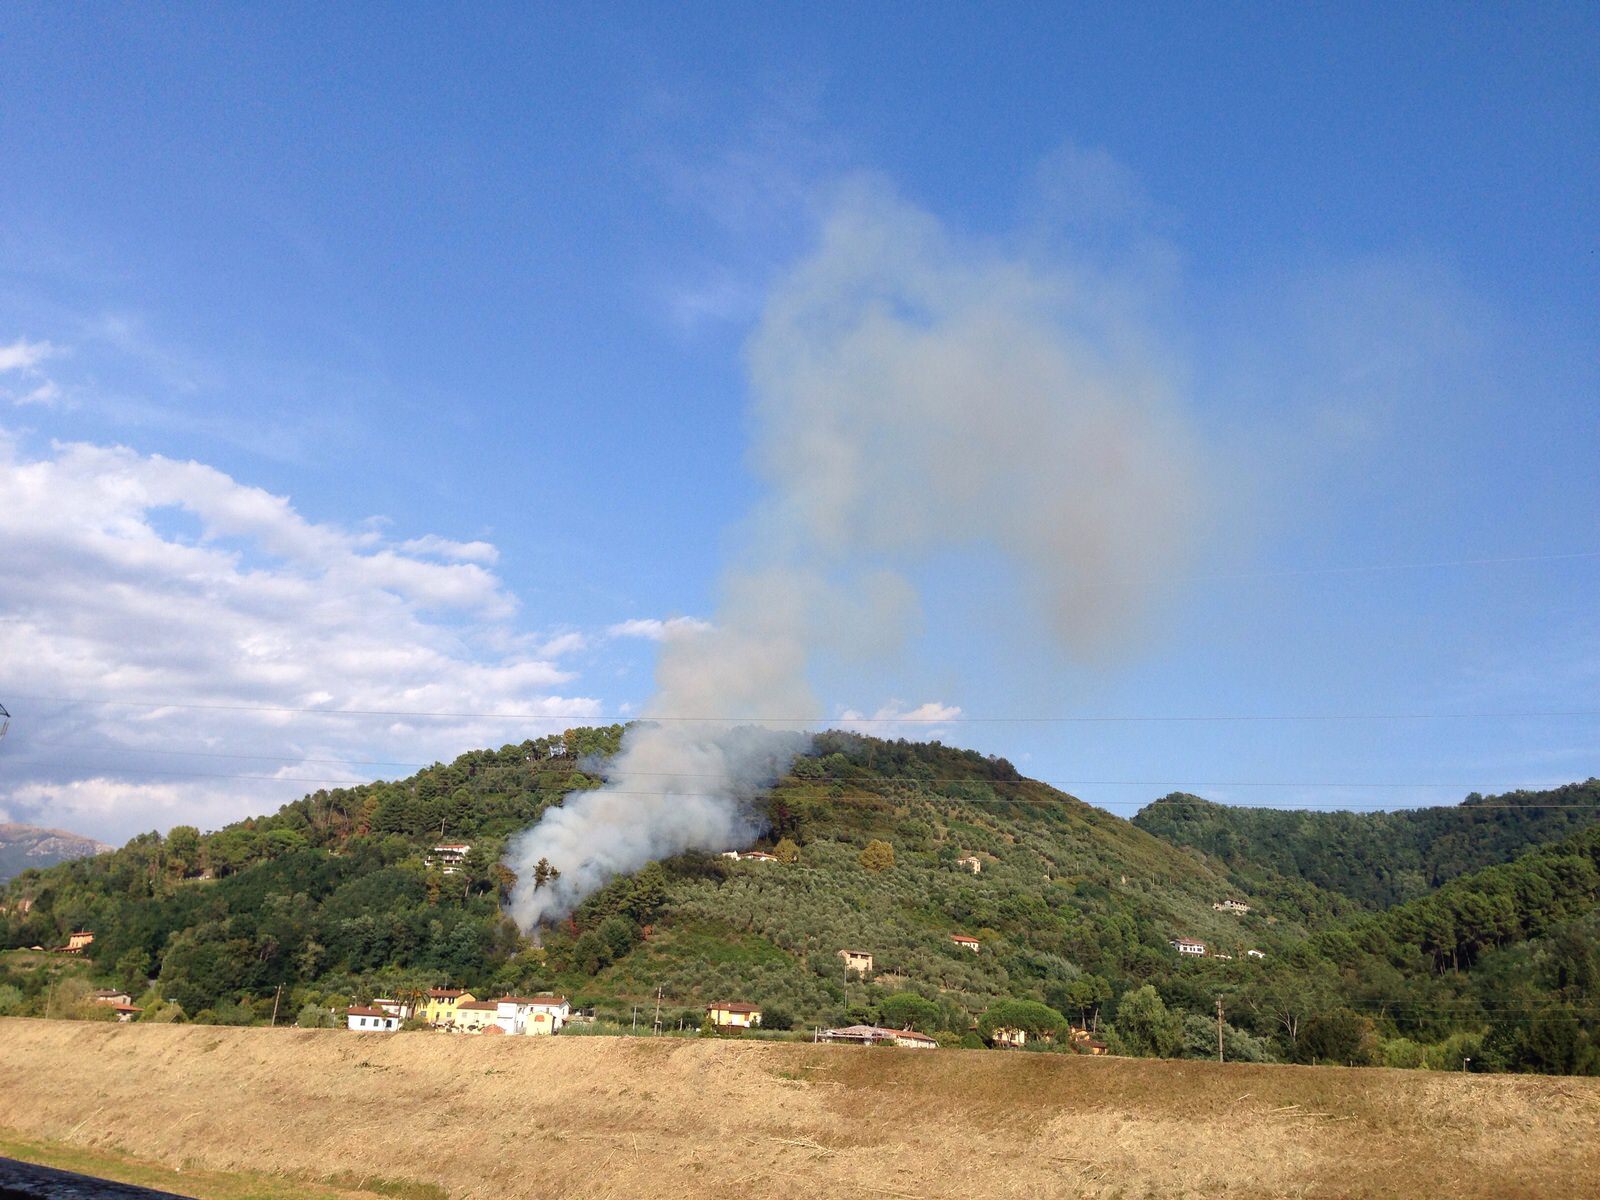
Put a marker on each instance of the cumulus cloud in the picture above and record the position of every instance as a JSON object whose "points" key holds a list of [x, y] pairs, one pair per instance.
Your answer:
{"points": [[656, 629], [927, 720], [23, 354], [205, 611]]}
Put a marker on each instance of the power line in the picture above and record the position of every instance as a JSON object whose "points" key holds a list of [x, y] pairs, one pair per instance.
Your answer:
{"points": [[623, 718], [1376, 568]]}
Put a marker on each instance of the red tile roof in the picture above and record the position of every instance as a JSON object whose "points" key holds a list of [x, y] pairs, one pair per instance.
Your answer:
{"points": [[446, 993], [477, 1005], [962, 937], [360, 1010]]}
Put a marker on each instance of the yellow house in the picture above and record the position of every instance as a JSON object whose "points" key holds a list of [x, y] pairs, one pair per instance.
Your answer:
{"points": [[440, 1004], [734, 1014], [79, 941]]}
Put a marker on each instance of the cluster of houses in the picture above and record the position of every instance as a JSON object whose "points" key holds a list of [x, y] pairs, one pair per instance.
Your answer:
{"points": [[458, 1010], [1185, 945]]}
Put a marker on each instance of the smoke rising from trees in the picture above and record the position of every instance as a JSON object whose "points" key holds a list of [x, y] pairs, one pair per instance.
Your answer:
{"points": [[913, 394]]}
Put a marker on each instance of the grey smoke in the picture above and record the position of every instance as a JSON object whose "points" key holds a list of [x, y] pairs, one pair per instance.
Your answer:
{"points": [[912, 394]]}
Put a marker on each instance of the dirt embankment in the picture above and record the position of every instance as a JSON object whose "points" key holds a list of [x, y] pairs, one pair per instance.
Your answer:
{"points": [[622, 1117]]}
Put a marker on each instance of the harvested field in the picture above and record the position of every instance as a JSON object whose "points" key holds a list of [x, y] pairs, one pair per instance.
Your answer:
{"points": [[624, 1117]]}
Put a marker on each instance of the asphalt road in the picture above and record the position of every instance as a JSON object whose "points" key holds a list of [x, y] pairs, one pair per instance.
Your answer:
{"points": [[24, 1181]]}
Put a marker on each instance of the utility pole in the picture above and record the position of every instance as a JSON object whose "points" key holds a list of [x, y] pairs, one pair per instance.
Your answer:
{"points": [[656, 1026], [1219, 1028], [276, 997], [635, 1018]]}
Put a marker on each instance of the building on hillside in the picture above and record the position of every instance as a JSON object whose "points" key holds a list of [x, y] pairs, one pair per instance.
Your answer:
{"points": [[757, 856], [970, 862], [859, 961], [532, 1015], [1185, 945], [127, 1012], [78, 941], [1219, 954], [1231, 906], [878, 1035], [1007, 1035], [733, 854], [439, 1004], [395, 1008], [965, 941], [1255, 954], [370, 1020], [734, 1014], [475, 1016], [1084, 1042], [110, 996], [448, 857]]}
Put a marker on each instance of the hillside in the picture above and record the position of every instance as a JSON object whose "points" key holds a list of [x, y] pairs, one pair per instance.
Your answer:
{"points": [[707, 1119], [24, 846], [333, 899], [1373, 858]]}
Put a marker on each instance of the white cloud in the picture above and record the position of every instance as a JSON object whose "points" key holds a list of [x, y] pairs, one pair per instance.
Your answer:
{"points": [[656, 629], [896, 720], [21, 355], [140, 579], [564, 643]]}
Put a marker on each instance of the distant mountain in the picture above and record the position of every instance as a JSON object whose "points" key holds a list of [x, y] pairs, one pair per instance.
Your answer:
{"points": [[24, 846], [1373, 858]]}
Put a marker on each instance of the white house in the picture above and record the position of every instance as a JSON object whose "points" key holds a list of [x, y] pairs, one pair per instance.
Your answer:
{"points": [[1185, 945], [1255, 954], [370, 1020], [965, 941], [878, 1035], [1232, 906], [394, 1008], [533, 1015], [448, 857], [970, 862]]}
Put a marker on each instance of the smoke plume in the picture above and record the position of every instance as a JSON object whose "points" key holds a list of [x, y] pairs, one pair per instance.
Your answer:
{"points": [[912, 395]]}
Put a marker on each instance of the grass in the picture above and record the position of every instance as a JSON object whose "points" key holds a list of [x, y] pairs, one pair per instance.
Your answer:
{"points": [[431, 1117], [202, 1184]]}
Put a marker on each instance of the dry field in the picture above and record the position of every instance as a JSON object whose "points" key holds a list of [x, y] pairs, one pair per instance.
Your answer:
{"points": [[636, 1117]]}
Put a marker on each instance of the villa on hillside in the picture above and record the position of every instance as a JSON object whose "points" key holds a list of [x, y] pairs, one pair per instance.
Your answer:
{"points": [[1085, 1042], [1185, 945], [110, 996], [965, 941], [859, 961], [1255, 954], [439, 1004], [1008, 1036], [394, 1008], [970, 862], [1232, 906], [370, 1020], [77, 942], [448, 857], [734, 1014]]}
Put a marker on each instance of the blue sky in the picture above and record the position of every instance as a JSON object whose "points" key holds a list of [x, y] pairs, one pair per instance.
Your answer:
{"points": [[491, 275]]}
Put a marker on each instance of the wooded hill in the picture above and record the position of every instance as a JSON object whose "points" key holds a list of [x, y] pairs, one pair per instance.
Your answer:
{"points": [[1491, 956]]}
